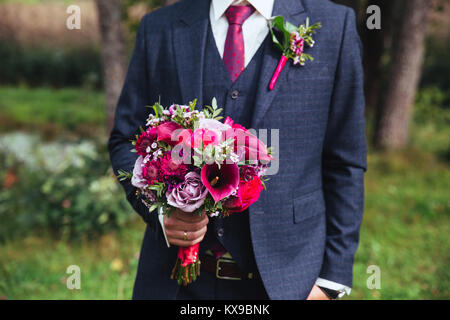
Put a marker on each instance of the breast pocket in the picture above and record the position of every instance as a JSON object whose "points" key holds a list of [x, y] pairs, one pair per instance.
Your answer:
{"points": [[309, 205]]}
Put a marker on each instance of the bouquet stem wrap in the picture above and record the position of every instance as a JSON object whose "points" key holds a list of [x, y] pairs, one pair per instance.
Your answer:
{"points": [[187, 267], [276, 75]]}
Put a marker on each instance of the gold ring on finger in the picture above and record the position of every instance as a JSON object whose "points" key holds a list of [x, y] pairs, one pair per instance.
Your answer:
{"points": [[185, 236]]}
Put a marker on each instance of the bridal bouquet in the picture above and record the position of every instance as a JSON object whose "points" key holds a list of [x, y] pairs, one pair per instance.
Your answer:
{"points": [[189, 160]]}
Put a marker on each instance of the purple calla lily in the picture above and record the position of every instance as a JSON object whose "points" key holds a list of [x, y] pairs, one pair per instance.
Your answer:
{"points": [[220, 182]]}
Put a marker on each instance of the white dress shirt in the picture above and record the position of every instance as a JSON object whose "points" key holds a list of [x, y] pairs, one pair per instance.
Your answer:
{"points": [[254, 31]]}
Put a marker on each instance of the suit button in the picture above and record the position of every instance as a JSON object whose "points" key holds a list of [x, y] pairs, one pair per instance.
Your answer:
{"points": [[234, 94], [220, 232]]}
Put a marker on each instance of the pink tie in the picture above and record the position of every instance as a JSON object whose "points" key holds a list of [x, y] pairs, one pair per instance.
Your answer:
{"points": [[234, 54]]}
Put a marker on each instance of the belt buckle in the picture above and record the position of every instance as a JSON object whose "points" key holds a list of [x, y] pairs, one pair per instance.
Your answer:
{"points": [[218, 270]]}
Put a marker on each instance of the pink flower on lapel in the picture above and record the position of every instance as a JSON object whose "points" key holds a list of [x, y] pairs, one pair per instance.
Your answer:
{"points": [[292, 44]]}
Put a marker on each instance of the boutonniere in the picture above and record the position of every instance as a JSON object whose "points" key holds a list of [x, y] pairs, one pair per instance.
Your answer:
{"points": [[292, 44]]}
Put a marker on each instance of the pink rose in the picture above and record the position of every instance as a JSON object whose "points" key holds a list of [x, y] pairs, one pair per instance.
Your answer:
{"points": [[204, 135]]}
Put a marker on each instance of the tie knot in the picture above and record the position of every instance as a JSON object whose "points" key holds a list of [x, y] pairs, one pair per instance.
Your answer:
{"points": [[238, 14]]}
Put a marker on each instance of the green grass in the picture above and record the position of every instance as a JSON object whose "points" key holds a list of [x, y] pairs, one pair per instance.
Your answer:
{"points": [[405, 228], [405, 232], [35, 267], [52, 111]]}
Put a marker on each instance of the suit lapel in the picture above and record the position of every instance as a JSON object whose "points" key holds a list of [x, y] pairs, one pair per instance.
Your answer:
{"points": [[189, 42], [294, 12]]}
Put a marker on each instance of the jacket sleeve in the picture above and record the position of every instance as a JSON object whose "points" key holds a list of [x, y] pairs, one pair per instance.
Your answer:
{"points": [[130, 115], [344, 160]]}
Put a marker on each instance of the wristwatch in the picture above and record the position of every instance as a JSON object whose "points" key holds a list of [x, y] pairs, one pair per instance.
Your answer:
{"points": [[332, 294]]}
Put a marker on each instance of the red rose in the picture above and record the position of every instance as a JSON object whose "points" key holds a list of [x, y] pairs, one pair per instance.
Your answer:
{"points": [[248, 193]]}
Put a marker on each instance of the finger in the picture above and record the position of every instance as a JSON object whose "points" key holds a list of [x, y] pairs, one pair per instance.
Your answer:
{"points": [[179, 225], [188, 216], [180, 235], [182, 243]]}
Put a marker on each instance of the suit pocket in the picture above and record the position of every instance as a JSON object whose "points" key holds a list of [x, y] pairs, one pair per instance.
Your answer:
{"points": [[309, 205]]}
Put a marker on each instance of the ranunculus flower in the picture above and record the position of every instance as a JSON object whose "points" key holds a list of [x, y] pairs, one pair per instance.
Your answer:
{"points": [[138, 179], [188, 196], [221, 182], [169, 132], [248, 193], [145, 140]]}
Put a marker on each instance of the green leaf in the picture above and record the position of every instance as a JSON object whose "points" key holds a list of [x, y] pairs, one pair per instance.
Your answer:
{"points": [[217, 112], [275, 40], [158, 108], [290, 27], [192, 104], [123, 175], [278, 22], [214, 103]]}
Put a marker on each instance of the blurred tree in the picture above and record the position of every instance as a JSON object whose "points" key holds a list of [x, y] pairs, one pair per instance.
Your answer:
{"points": [[375, 43], [113, 53], [395, 108], [114, 47]]}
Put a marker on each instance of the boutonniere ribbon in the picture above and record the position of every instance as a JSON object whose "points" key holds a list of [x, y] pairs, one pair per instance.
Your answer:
{"points": [[292, 44]]}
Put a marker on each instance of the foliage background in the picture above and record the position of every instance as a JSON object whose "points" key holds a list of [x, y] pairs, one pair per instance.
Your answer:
{"points": [[60, 204]]}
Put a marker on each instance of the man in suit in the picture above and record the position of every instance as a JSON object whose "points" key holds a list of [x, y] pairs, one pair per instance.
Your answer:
{"points": [[299, 239]]}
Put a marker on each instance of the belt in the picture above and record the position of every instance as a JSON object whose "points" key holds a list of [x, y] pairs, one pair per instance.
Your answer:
{"points": [[225, 268]]}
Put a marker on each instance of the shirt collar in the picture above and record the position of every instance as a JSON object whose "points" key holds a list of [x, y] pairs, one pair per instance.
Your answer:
{"points": [[264, 7]]}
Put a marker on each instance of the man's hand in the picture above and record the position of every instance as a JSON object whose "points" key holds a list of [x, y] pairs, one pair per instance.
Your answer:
{"points": [[317, 294], [182, 223]]}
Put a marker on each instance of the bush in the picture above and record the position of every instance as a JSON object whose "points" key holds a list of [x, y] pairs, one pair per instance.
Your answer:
{"points": [[42, 66], [65, 189], [436, 66]]}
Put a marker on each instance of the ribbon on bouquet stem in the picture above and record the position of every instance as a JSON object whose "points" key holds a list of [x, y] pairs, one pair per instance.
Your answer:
{"points": [[278, 70], [187, 267]]}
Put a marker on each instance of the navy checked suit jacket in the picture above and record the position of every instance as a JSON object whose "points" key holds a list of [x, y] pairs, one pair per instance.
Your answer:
{"points": [[306, 225]]}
